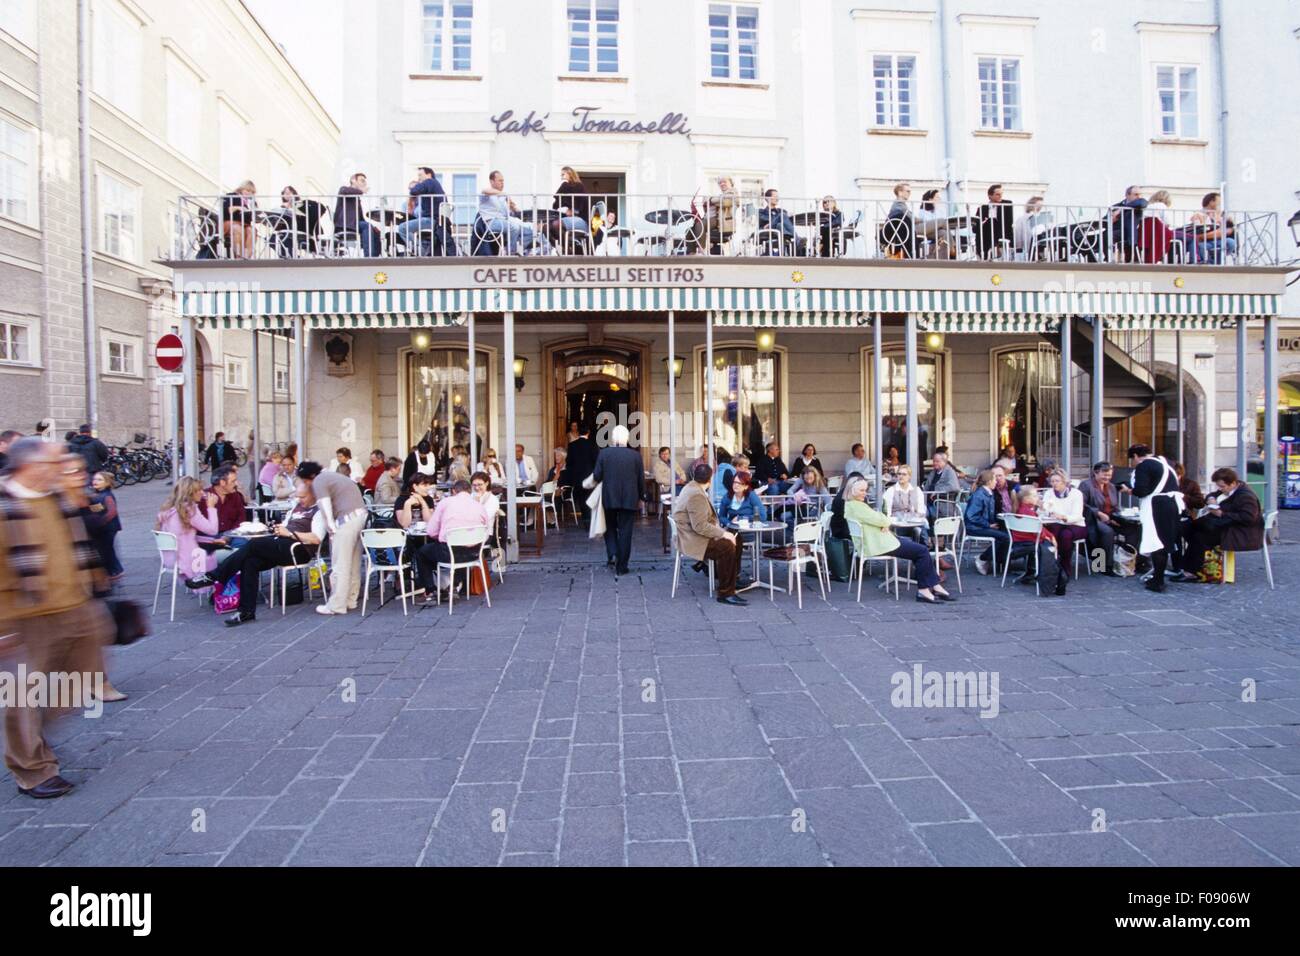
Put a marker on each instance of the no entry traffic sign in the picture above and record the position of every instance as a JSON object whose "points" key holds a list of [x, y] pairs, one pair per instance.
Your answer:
{"points": [[169, 353]]}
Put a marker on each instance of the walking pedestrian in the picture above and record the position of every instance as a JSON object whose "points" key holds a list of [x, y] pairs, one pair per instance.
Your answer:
{"points": [[620, 472], [49, 576]]}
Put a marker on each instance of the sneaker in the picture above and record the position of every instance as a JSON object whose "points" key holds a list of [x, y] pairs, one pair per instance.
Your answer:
{"points": [[324, 609], [983, 567], [199, 582]]}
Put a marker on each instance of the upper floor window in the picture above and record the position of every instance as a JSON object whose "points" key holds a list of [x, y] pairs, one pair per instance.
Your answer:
{"points": [[121, 354], [894, 78], [447, 28], [1176, 87], [16, 169], [119, 217], [464, 197], [733, 41], [16, 343], [116, 56], [593, 36], [1000, 93], [184, 107]]}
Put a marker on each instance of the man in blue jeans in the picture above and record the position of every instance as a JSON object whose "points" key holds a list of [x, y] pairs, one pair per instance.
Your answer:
{"points": [[350, 216], [422, 209], [500, 217]]}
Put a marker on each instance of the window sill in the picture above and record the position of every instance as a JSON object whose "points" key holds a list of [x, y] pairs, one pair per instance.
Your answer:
{"points": [[20, 368], [896, 131], [24, 228], [455, 77], [1003, 133], [1176, 141], [590, 78], [124, 377], [735, 85]]}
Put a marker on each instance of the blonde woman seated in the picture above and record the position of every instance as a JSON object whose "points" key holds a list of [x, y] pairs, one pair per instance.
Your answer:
{"points": [[810, 489], [906, 500], [492, 468], [879, 541]]}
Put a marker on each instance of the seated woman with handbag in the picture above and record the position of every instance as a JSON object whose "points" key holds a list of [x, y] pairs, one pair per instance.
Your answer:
{"points": [[879, 541]]}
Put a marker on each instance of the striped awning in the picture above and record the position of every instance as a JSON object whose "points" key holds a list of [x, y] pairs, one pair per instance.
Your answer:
{"points": [[1170, 323], [261, 304], [954, 324], [791, 320], [413, 320]]}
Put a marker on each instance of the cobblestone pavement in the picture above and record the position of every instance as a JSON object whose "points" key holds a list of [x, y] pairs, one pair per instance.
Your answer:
{"points": [[579, 721]]}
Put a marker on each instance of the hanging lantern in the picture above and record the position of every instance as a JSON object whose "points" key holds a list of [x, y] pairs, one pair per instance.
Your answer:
{"points": [[765, 340]]}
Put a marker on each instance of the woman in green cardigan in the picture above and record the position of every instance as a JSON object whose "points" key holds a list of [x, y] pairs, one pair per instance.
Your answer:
{"points": [[879, 541]]}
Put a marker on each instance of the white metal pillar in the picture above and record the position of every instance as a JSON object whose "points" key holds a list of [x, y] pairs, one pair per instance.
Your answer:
{"points": [[300, 386], [192, 357], [877, 425], [672, 404], [1270, 412], [472, 450], [1182, 412], [1067, 409], [1097, 426], [512, 473], [255, 453], [913, 439], [1242, 410], [708, 385]]}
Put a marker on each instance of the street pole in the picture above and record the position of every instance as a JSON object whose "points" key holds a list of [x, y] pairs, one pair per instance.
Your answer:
{"points": [[87, 218]]}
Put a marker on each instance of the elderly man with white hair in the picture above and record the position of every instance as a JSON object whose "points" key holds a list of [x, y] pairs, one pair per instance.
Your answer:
{"points": [[620, 471]]}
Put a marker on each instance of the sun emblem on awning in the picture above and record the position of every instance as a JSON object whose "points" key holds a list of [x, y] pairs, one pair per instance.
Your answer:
{"points": [[796, 276], [381, 278]]}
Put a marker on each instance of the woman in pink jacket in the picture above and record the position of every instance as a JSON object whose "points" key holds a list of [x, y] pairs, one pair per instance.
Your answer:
{"points": [[189, 512]]}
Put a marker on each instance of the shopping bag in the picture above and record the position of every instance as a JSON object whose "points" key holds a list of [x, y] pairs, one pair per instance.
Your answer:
{"points": [[480, 580], [227, 599], [597, 507], [839, 557], [316, 573], [1213, 568], [1125, 561]]}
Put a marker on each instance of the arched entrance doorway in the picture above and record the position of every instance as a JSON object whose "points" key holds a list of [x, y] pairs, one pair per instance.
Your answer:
{"points": [[589, 379]]}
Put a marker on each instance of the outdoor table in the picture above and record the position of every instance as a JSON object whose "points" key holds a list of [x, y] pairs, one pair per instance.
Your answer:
{"points": [[758, 529], [668, 217]]}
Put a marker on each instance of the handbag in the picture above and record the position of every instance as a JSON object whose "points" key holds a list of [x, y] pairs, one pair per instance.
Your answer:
{"points": [[1220, 567], [1125, 561], [596, 504], [129, 621]]}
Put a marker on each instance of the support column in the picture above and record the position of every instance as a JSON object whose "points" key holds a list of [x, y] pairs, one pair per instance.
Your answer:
{"points": [[1178, 372], [672, 405], [472, 450], [1242, 409], [192, 358], [512, 473], [1067, 397], [913, 439], [255, 453], [1097, 426], [877, 426], [708, 384], [1270, 412], [300, 387]]}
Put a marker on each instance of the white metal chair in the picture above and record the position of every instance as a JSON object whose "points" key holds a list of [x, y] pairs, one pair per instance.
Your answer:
{"points": [[1270, 523], [806, 536], [464, 538], [166, 544], [1081, 550], [377, 539], [302, 562], [677, 559], [949, 528], [548, 492], [861, 558], [834, 482], [981, 540], [1027, 524]]}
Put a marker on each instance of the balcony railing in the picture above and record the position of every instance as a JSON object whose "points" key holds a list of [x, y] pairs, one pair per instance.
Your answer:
{"points": [[261, 227]]}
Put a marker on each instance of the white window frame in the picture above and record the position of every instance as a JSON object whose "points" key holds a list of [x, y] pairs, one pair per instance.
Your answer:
{"points": [[592, 36], [424, 66], [1179, 131], [238, 381], [184, 107], [133, 342], [103, 180], [447, 176], [999, 59], [280, 379], [892, 101], [117, 56], [28, 176], [32, 328], [733, 42]]}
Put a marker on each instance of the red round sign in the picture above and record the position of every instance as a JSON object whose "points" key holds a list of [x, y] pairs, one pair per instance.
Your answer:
{"points": [[169, 353]]}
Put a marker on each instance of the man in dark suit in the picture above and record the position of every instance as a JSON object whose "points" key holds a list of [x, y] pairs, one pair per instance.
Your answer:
{"points": [[620, 471], [773, 219], [1101, 511], [995, 233], [770, 468], [1235, 522], [579, 464]]}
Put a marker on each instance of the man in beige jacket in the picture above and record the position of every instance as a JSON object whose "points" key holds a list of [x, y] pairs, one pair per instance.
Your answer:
{"points": [[703, 538]]}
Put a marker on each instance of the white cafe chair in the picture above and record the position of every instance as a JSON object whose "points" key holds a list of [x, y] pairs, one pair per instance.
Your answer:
{"points": [[303, 561], [464, 538], [980, 541], [677, 559], [377, 539], [166, 544], [796, 556], [548, 493], [1026, 524], [861, 559], [1270, 523], [949, 528]]}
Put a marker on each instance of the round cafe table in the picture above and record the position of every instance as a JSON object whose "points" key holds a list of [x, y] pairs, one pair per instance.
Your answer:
{"points": [[668, 217], [757, 529]]}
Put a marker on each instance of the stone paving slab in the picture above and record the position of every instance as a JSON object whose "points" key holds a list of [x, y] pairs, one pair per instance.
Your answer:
{"points": [[583, 721]]}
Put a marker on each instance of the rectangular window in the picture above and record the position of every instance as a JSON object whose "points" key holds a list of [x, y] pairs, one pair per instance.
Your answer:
{"points": [[464, 197], [117, 67], [744, 414], [122, 356], [446, 30], [893, 403], [15, 343], [1176, 89], [894, 78], [184, 107], [281, 376], [1000, 96], [233, 133], [119, 218], [16, 168], [593, 36], [438, 399], [733, 41], [236, 372]]}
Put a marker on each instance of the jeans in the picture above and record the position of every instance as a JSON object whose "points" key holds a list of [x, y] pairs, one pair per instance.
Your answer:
{"points": [[1001, 542], [1213, 251], [514, 233], [408, 232], [366, 234], [258, 555]]}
